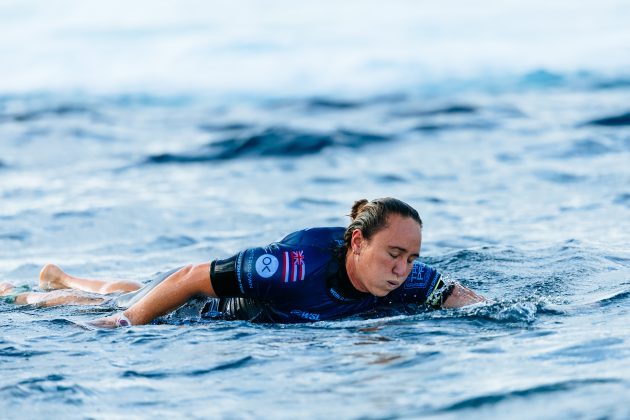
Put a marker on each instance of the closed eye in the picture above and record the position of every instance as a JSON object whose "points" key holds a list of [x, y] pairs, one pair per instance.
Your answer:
{"points": [[397, 252]]}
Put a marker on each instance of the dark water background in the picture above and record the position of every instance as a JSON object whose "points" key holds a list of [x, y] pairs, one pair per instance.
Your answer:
{"points": [[522, 179]]}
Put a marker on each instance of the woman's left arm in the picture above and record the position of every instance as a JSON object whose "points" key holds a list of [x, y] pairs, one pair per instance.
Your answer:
{"points": [[177, 289]]}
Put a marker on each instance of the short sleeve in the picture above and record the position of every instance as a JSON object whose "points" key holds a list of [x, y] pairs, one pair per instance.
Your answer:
{"points": [[264, 273]]}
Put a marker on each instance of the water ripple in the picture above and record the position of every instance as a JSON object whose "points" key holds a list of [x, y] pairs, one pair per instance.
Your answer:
{"points": [[493, 399], [20, 352], [52, 112], [447, 110], [591, 351], [53, 387], [161, 374]]}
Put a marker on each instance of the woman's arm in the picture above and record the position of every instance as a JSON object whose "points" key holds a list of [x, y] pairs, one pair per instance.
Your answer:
{"points": [[177, 289], [462, 296]]}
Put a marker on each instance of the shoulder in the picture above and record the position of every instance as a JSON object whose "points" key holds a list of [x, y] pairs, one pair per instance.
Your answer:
{"points": [[282, 268], [322, 237]]}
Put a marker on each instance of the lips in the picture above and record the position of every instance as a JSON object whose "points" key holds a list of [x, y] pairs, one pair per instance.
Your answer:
{"points": [[392, 284]]}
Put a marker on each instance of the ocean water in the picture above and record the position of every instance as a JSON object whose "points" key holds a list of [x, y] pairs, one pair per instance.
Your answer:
{"points": [[137, 138]]}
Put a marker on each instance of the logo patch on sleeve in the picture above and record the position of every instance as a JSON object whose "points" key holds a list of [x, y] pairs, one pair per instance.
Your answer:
{"points": [[266, 265], [419, 277], [293, 266]]}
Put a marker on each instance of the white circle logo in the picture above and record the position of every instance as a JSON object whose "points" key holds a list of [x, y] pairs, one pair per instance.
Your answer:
{"points": [[266, 265]]}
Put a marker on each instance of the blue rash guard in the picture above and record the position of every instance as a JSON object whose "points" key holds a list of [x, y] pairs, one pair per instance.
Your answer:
{"points": [[303, 278]]}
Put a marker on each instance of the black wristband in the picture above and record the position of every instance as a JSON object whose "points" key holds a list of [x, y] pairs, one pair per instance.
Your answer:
{"points": [[223, 277], [441, 292]]}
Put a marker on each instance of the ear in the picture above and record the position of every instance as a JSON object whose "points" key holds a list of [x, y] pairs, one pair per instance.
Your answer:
{"points": [[356, 241]]}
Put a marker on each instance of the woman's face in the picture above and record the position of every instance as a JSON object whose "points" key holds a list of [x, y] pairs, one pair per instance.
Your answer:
{"points": [[382, 263]]}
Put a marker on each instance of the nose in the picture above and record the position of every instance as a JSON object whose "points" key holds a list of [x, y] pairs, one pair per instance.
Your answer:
{"points": [[400, 268]]}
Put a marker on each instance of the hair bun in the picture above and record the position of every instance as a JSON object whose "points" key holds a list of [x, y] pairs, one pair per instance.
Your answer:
{"points": [[357, 207]]}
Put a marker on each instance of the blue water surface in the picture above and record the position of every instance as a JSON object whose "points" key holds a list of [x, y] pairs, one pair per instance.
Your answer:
{"points": [[115, 162]]}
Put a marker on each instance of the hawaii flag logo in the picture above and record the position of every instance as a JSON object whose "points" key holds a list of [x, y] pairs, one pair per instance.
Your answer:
{"points": [[294, 266]]}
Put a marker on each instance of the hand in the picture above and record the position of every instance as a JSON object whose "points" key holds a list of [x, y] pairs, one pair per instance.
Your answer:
{"points": [[462, 296], [106, 322]]}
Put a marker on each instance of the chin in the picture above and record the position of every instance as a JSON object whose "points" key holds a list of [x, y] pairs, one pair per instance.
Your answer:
{"points": [[380, 292]]}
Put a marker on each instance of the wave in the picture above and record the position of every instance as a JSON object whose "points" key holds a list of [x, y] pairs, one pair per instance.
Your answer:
{"points": [[75, 214], [273, 141], [446, 110], [623, 199], [20, 352], [527, 283], [54, 111], [580, 80], [612, 121], [19, 235], [507, 312], [231, 126], [613, 298], [168, 242], [559, 177], [493, 399], [587, 351], [586, 148], [476, 125], [328, 180], [306, 202], [332, 104], [161, 374]]}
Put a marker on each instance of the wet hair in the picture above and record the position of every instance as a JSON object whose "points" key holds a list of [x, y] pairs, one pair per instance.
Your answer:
{"points": [[371, 217]]}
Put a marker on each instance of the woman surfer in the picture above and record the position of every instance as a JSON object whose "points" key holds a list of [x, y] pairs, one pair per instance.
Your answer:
{"points": [[310, 275]]}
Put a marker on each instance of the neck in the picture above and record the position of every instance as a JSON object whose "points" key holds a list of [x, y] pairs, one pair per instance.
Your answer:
{"points": [[351, 269]]}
